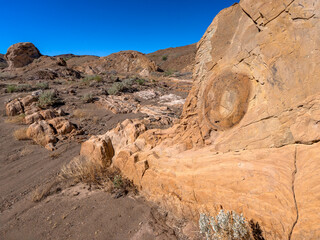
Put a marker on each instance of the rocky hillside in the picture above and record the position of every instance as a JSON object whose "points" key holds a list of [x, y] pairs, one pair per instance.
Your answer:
{"points": [[3, 62], [180, 59], [120, 62]]}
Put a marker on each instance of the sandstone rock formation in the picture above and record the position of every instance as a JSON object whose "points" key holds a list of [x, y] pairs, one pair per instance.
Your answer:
{"points": [[122, 62], [20, 105], [98, 149], [21, 54], [45, 126], [46, 132], [248, 137], [42, 133]]}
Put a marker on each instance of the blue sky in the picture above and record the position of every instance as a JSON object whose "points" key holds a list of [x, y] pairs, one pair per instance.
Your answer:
{"points": [[100, 27]]}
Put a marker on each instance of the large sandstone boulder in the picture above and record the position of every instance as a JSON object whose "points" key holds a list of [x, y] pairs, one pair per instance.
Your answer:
{"points": [[61, 125], [98, 149], [248, 137], [21, 105], [42, 133], [21, 54]]}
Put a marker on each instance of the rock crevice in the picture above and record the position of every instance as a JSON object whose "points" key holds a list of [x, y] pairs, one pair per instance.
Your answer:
{"points": [[293, 192]]}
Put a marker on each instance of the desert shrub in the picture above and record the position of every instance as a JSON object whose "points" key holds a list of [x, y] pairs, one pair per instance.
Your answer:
{"points": [[226, 225], [42, 86], [19, 88], [116, 88], [87, 98], [86, 80], [47, 98], [117, 181], [98, 78], [80, 169], [21, 134], [140, 81], [81, 114], [168, 73], [165, 58], [16, 119], [127, 83], [7, 75], [24, 87], [66, 58], [11, 88]]}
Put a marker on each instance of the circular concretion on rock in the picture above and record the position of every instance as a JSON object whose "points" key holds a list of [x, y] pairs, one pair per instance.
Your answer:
{"points": [[226, 100]]}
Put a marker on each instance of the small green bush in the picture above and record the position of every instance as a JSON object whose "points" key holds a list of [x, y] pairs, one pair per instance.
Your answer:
{"points": [[24, 87], [226, 225], [168, 73], [116, 88], [19, 88], [117, 181], [87, 98], [42, 86], [11, 88], [91, 78], [140, 81], [127, 83], [165, 58], [47, 98]]}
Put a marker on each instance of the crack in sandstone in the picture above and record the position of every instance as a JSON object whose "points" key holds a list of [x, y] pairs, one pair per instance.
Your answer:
{"points": [[251, 18], [279, 13], [303, 18], [293, 192], [260, 120]]}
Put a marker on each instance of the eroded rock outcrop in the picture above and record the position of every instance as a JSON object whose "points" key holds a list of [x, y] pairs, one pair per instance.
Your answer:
{"points": [[98, 149], [248, 137], [21, 54], [131, 62], [45, 126]]}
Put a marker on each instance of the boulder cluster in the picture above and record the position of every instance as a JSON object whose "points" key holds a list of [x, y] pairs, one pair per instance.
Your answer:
{"points": [[45, 126]]}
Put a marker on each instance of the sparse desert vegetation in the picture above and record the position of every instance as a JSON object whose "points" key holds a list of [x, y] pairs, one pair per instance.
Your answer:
{"points": [[18, 119], [90, 78], [226, 225], [47, 98], [21, 134], [82, 169], [87, 98]]}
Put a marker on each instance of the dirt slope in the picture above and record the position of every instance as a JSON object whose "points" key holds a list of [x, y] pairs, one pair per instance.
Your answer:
{"points": [[175, 59]]}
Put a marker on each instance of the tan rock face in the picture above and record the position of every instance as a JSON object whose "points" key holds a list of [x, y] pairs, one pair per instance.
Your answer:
{"points": [[61, 125], [20, 105], [247, 139], [98, 149], [29, 119], [42, 133], [21, 54]]}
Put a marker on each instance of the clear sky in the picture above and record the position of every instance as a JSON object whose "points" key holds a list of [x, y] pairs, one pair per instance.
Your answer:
{"points": [[98, 27]]}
